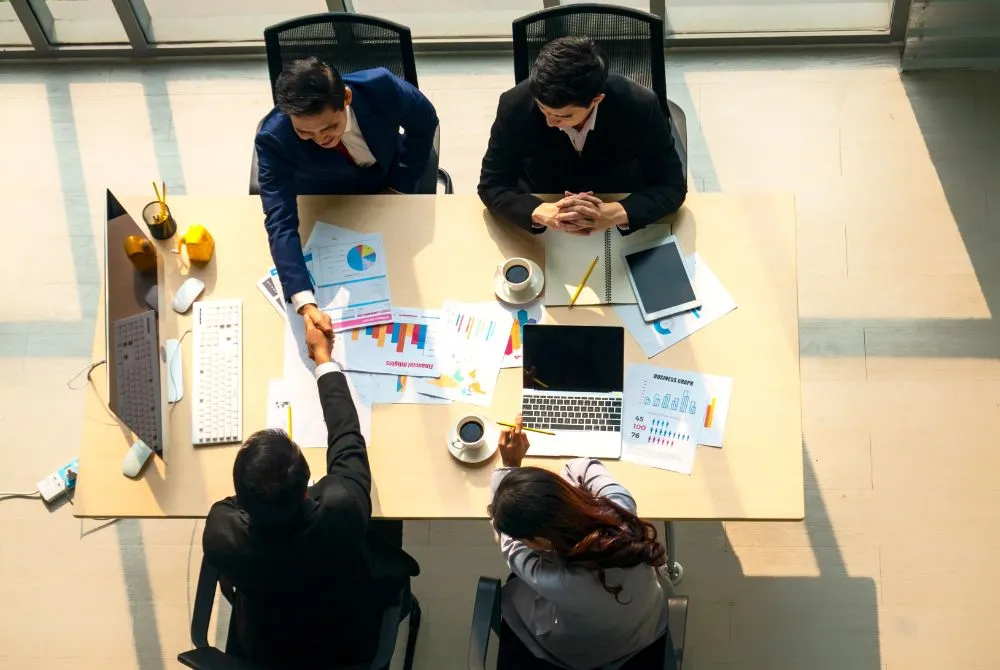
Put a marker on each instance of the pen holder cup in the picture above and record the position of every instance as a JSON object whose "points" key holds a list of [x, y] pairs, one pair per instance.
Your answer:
{"points": [[159, 220]]}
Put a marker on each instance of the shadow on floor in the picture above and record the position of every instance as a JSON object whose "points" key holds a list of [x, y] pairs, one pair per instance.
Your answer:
{"points": [[766, 622]]}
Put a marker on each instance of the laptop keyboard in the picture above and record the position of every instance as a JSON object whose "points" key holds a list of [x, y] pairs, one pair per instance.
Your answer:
{"points": [[545, 412]]}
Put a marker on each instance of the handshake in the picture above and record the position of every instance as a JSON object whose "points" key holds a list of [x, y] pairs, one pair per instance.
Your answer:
{"points": [[319, 333], [579, 214]]}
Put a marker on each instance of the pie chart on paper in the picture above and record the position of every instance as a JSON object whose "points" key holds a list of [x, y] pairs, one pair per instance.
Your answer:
{"points": [[361, 257]]}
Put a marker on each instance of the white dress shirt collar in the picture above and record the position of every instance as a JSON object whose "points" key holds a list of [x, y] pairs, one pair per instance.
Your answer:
{"points": [[579, 137], [354, 141]]}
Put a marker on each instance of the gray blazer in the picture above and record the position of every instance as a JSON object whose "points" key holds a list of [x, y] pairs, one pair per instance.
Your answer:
{"points": [[562, 613]]}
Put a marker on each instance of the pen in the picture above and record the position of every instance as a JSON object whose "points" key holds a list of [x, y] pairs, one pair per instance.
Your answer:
{"points": [[583, 282], [289, 408], [533, 430]]}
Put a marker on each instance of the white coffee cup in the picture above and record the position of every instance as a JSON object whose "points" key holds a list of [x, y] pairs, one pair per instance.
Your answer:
{"points": [[516, 274], [470, 433]]}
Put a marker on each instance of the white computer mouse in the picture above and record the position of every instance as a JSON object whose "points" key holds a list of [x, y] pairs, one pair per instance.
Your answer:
{"points": [[136, 457], [187, 294]]}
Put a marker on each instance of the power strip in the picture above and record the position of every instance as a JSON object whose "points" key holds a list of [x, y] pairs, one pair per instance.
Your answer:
{"points": [[59, 482]]}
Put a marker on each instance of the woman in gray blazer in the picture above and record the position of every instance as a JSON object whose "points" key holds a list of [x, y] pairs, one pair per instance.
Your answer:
{"points": [[585, 592]]}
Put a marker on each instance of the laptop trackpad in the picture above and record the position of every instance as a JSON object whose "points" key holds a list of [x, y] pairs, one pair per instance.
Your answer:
{"points": [[580, 443]]}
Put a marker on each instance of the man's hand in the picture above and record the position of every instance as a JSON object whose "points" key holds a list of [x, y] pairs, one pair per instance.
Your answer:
{"points": [[546, 214], [513, 445], [581, 209], [588, 210], [320, 345], [315, 317]]}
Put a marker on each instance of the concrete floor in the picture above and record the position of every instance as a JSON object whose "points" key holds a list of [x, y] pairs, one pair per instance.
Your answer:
{"points": [[898, 235]]}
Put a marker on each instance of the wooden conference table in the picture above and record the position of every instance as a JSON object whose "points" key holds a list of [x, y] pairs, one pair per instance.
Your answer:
{"points": [[447, 247]]}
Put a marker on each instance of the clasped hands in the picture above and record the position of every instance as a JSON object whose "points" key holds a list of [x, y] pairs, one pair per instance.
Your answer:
{"points": [[579, 214]]}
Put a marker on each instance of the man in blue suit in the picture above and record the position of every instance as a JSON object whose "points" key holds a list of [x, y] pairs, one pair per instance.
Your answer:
{"points": [[336, 135]]}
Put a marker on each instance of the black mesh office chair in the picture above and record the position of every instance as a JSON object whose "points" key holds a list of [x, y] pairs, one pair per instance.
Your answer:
{"points": [[207, 657], [349, 42], [666, 653], [632, 40]]}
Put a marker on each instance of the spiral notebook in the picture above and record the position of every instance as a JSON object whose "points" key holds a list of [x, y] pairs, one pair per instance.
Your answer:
{"points": [[567, 258]]}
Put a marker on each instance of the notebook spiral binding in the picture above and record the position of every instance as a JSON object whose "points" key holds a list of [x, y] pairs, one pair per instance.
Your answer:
{"points": [[607, 266]]}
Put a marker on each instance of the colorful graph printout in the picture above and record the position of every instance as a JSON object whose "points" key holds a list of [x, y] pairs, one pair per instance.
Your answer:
{"points": [[472, 341], [351, 280], [662, 417], [407, 345], [513, 354]]}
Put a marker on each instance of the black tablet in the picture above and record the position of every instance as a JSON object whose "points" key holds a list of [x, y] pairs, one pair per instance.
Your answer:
{"points": [[660, 279]]}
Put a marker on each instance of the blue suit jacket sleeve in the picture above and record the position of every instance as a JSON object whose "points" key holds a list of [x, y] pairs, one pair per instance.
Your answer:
{"points": [[281, 214], [419, 121]]}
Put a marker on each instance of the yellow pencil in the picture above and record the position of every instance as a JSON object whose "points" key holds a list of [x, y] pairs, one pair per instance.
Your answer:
{"points": [[156, 188], [583, 282], [164, 190], [533, 430], [289, 408]]}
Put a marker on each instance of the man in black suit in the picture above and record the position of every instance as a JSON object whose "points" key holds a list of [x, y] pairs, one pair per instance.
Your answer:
{"points": [[572, 128], [311, 579]]}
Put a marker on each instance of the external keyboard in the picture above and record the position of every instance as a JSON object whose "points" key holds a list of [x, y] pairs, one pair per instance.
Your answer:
{"points": [[577, 412], [217, 396], [137, 376]]}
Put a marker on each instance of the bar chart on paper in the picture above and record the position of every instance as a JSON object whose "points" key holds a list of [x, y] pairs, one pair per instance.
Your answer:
{"points": [[473, 341], [661, 418], [678, 403], [513, 354], [407, 345]]}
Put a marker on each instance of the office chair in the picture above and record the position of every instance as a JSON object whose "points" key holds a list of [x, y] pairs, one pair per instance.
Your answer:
{"points": [[207, 657], [350, 42], [486, 618], [631, 39]]}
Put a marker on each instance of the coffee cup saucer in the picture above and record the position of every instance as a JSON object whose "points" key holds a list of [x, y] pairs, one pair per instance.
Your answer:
{"points": [[480, 455], [532, 291]]}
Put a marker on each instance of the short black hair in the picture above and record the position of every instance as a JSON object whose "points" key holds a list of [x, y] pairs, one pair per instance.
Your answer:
{"points": [[271, 477], [308, 86], [568, 71]]}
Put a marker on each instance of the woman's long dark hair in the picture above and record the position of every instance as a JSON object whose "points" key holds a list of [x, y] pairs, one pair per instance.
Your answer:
{"points": [[585, 530]]}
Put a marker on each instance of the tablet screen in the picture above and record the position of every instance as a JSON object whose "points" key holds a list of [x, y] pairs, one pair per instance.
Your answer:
{"points": [[660, 278]]}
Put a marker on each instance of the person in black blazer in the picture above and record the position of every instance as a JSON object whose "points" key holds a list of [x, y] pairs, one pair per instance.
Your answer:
{"points": [[311, 579], [572, 128]]}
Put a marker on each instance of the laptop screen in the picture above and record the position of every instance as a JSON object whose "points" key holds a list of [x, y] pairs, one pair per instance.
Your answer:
{"points": [[587, 359]]}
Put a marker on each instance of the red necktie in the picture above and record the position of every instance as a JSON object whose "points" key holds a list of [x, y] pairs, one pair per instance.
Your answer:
{"points": [[342, 150]]}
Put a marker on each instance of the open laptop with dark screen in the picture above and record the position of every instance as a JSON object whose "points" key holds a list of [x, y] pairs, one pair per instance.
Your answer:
{"points": [[573, 384]]}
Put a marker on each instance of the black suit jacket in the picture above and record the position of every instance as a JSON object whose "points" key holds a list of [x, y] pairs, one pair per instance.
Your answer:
{"points": [[312, 596], [630, 150]]}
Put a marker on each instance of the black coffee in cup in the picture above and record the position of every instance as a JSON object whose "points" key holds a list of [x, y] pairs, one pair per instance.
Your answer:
{"points": [[517, 274], [471, 432]]}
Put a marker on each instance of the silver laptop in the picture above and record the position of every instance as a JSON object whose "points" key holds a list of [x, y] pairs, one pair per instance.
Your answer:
{"points": [[573, 383]]}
